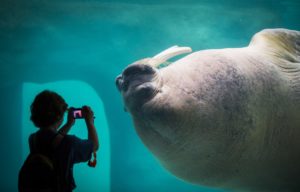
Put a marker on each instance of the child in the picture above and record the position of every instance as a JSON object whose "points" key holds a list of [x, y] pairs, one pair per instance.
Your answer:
{"points": [[47, 112]]}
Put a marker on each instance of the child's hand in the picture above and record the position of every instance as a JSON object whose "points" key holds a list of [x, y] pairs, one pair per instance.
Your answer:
{"points": [[70, 118], [88, 114]]}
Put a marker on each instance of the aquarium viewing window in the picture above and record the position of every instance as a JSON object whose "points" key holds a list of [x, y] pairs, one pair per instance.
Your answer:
{"points": [[76, 94]]}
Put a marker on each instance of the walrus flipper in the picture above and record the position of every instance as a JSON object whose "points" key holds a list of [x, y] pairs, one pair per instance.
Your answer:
{"points": [[282, 46]]}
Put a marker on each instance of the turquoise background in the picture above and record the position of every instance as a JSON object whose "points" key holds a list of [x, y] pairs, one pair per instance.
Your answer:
{"points": [[78, 47]]}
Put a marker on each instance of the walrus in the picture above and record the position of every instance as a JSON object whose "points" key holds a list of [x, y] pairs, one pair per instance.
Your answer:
{"points": [[223, 118]]}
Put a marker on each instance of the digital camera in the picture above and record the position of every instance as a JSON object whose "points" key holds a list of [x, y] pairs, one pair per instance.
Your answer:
{"points": [[77, 113]]}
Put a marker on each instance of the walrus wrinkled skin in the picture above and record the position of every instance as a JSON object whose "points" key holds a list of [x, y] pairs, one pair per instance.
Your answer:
{"points": [[225, 118]]}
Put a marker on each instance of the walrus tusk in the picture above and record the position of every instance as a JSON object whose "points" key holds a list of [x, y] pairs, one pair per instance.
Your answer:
{"points": [[163, 56], [167, 54]]}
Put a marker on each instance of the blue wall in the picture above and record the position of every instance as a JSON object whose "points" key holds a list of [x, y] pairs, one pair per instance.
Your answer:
{"points": [[44, 42]]}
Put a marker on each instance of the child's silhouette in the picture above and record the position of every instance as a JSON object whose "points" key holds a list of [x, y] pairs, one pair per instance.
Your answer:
{"points": [[51, 141]]}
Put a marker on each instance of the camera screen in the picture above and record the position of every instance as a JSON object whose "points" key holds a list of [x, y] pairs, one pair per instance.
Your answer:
{"points": [[77, 114]]}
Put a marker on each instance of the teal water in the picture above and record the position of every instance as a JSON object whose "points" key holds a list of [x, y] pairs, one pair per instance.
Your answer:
{"points": [[78, 48]]}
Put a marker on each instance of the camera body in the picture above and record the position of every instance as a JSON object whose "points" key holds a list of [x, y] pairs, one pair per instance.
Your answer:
{"points": [[77, 113]]}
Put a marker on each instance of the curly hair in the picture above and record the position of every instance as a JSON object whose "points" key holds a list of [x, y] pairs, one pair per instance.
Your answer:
{"points": [[47, 109]]}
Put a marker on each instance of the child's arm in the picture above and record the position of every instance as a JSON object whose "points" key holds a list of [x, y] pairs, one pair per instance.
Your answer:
{"points": [[92, 133], [70, 122]]}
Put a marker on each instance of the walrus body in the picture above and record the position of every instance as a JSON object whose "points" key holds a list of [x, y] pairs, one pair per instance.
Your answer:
{"points": [[227, 118]]}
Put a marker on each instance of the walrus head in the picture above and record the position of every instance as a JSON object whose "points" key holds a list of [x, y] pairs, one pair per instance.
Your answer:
{"points": [[138, 83]]}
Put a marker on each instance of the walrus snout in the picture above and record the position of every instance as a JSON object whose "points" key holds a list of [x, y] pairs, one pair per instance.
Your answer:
{"points": [[134, 72]]}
